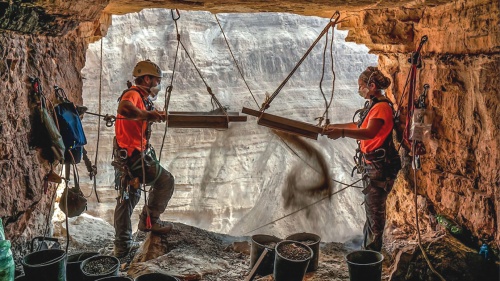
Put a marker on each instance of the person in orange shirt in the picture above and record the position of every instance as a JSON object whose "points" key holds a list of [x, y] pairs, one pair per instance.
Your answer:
{"points": [[379, 162], [134, 159]]}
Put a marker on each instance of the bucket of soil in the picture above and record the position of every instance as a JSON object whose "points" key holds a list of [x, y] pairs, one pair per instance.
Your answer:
{"points": [[156, 277], [73, 270], [291, 260], [116, 278], [364, 265], [98, 267], [259, 243], [312, 240], [45, 265]]}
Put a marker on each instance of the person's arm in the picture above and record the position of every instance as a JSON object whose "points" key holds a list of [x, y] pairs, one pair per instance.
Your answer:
{"points": [[129, 110], [350, 125], [374, 126]]}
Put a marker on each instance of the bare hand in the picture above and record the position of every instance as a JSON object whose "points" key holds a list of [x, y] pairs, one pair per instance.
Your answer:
{"points": [[332, 131]]}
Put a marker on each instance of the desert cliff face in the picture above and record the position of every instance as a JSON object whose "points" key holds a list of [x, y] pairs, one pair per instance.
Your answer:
{"points": [[461, 62]]}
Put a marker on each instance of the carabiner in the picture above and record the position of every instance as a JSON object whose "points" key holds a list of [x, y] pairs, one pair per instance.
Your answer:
{"points": [[335, 17], [110, 120], [172, 13]]}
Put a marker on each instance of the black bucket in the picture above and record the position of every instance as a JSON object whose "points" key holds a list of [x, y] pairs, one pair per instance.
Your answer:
{"points": [[116, 278], [156, 277], [109, 263], [21, 278], [259, 243], [286, 269], [364, 265], [312, 240], [45, 265], [73, 270]]}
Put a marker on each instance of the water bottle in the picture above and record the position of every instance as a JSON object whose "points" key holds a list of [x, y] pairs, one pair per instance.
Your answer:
{"points": [[484, 251], [451, 226]]}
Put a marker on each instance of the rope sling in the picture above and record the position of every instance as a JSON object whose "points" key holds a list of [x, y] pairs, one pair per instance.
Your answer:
{"points": [[292, 126]]}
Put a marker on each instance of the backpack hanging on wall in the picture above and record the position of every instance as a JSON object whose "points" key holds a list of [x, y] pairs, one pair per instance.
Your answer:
{"points": [[70, 127], [45, 133]]}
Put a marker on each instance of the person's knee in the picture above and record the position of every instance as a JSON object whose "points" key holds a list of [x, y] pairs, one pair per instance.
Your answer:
{"points": [[169, 179]]}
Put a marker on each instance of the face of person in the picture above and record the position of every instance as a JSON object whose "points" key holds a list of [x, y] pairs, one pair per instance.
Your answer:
{"points": [[363, 89], [153, 81]]}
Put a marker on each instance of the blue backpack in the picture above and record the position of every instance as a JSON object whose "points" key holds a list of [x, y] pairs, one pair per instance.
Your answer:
{"points": [[70, 127]]}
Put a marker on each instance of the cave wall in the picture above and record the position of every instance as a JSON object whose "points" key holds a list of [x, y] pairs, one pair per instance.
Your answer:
{"points": [[461, 62], [24, 206]]}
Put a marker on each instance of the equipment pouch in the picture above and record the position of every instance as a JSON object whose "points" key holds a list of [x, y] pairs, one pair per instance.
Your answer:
{"points": [[73, 202], [55, 137]]}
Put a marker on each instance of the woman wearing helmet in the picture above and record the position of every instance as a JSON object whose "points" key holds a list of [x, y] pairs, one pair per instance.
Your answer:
{"points": [[379, 161]]}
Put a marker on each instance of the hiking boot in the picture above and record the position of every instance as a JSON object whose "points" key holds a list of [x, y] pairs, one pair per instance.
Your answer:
{"points": [[158, 227], [119, 252]]}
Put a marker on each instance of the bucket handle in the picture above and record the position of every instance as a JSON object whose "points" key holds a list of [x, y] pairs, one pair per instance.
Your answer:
{"points": [[43, 238], [253, 272]]}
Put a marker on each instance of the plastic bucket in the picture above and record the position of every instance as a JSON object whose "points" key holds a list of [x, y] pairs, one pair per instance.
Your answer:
{"points": [[312, 240], [21, 278], [288, 269], [116, 278], [156, 277], [259, 243], [45, 265], [100, 266], [73, 270], [364, 265]]}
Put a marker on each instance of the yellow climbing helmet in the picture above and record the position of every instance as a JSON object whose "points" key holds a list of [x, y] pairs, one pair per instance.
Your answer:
{"points": [[147, 67]]}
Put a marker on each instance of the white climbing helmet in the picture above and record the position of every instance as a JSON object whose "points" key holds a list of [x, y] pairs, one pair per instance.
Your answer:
{"points": [[147, 67]]}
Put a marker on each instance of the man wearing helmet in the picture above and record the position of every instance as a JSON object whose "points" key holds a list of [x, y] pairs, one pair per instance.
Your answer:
{"points": [[134, 157]]}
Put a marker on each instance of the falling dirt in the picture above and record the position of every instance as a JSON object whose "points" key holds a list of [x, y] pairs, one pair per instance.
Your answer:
{"points": [[309, 179]]}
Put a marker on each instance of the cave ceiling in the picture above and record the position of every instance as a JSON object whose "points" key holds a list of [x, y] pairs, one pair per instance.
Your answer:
{"points": [[55, 18]]}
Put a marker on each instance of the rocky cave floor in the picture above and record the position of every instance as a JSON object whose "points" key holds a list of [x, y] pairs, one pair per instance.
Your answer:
{"points": [[190, 253]]}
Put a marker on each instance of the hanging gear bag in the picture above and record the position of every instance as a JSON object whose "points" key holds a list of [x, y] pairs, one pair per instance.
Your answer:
{"points": [[72, 202], [45, 133], [70, 126]]}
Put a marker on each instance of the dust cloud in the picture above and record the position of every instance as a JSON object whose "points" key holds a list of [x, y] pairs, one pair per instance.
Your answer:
{"points": [[309, 179]]}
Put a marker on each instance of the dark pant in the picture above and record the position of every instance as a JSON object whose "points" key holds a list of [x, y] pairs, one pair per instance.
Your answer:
{"points": [[162, 183], [376, 188]]}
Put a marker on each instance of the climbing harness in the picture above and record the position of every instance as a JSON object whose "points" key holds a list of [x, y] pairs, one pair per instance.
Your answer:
{"points": [[381, 154], [292, 126]]}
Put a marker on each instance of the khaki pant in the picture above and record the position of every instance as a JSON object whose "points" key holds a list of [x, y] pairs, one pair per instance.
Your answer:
{"points": [[378, 179], [162, 183]]}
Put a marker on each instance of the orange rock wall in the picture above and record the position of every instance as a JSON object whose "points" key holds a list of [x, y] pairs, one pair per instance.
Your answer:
{"points": [[461, 62], [56, 61]]}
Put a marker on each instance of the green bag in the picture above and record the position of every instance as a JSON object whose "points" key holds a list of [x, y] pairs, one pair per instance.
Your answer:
{"points": [[7, 265]]}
